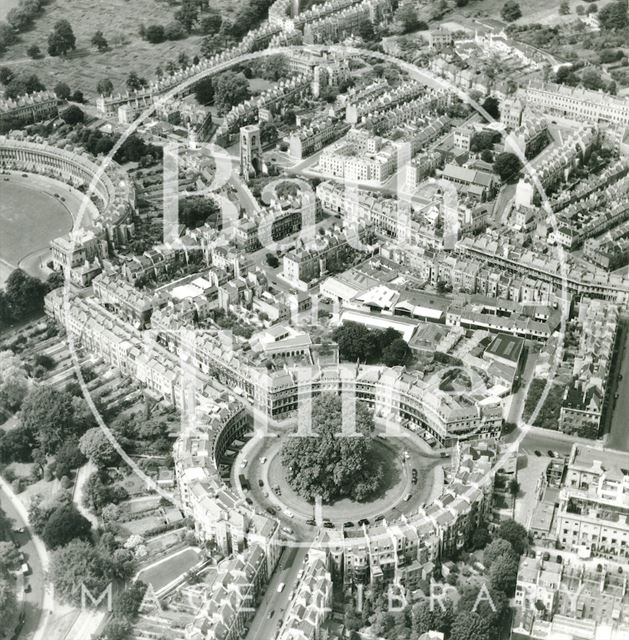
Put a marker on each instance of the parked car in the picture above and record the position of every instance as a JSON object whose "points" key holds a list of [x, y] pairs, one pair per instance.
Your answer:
{"points": [[348, 524]]}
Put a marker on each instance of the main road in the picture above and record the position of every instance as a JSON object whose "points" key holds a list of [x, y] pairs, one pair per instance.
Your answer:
{"points": [[38, 604], [272, 608]]}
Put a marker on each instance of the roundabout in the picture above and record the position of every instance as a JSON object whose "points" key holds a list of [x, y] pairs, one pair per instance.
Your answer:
{"points": [[396, 496]]}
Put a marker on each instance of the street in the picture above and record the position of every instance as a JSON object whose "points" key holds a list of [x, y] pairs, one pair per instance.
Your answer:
{"points": [[34, 602], [270, 611]]}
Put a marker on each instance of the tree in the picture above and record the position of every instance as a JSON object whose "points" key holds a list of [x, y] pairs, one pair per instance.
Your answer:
{"points": [[472, 626], [155, 34], [507, 165], [204, 91], [366, 30], [105, 87], [69, 457], [78, 563], [511, 11], [564, 8], [39, 513], [65, 524], [593, 8], [398, 353], [24, 293], [8, 603], [492, 106], [516, 534], [503, 574], [34, 52], [496, 549], [62, 91], [134, 82], [482, 140], [425, 616], [272, 261], [95, 446], [72, 115], [230, 89], [406, 15], [355, 342], [211, 22], [329, 464], [614, 15], [47, 414], [62, 39], [188, 15], [9, 557], [99, 41], [480, 538], [514, 487], [6, 75]]}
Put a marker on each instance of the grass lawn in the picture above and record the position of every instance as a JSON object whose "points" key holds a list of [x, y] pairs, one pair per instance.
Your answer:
{"points": [[170, 568], [119, 20]]}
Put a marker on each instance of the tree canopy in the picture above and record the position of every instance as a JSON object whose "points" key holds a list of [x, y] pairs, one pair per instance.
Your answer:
{"points": [[357, 342], [230, 89], [329, 464], [507, 165], [51, 417], [95, 445], [65, 524], [511, 11], [79, 563], [62, 39]]}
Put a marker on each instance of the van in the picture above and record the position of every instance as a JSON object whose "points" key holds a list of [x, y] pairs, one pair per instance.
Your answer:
{"points": [[280, 587]]}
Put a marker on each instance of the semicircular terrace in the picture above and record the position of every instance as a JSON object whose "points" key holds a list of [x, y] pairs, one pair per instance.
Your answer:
{"points": [[112, 193]]}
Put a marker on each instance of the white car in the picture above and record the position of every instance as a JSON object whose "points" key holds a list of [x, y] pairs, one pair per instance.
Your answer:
{"points": [[290, 514], [408, 497], [243, 464], [262, 459]]}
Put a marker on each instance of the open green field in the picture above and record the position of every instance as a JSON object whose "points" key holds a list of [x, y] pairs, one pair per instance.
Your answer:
{"points": [[119, 20], [30, 217]]}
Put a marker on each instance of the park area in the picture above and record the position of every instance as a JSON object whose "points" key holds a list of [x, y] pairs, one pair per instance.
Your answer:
{"points": [[120, 21], [29, 204]]}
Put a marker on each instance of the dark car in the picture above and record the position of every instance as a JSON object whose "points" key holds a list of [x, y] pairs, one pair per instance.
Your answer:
{"points": [[414, 472], [348, 524], [328, 525], [414, 479], [362, 522], [270, 510], [271, 613], [551, 453], [379, 518], [538, 453], [249, 500], [260, 483], [311, 522]]}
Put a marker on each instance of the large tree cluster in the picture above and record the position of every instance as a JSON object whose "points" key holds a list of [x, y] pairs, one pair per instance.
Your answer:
{"points": [[330, 464], [357, 342]]}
